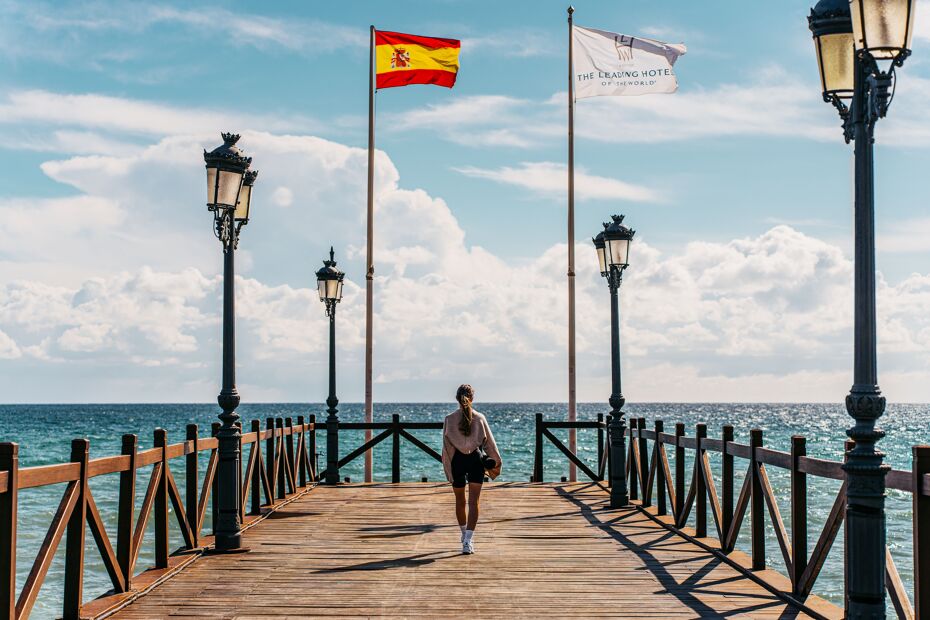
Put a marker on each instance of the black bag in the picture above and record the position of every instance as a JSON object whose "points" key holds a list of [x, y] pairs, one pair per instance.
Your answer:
{"points": [[486, 461]]}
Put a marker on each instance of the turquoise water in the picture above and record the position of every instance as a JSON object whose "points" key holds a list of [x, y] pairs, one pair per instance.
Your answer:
{"points": [[44, 433]]}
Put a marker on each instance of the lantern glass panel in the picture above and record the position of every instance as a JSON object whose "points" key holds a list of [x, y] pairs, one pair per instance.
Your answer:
{"points": [[332, 289], [602, 259], [835, 56], [339, 291], [619, 251], [211, 186], [228, 190], [321, 288], [242, 207], [884, 27]]}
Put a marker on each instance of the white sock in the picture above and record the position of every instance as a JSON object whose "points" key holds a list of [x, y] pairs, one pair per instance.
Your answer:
{"points": [[462, 527], [469, 534]]}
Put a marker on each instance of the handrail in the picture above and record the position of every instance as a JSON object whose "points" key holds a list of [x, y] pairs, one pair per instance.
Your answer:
{"points": [[394, 430], [291, 446], [543, 427], [669, 496], [757, 498]]}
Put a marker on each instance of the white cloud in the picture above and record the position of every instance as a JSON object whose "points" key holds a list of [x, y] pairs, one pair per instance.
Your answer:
{"points": [[922, 20], [139, 294], [479, 120], [119, 114], [905, 236], [260, 31], [308, 36], [69, 141], [774, 104], [8, 348], [550, 179], [283, 197], [521, 42], [791, 108]]}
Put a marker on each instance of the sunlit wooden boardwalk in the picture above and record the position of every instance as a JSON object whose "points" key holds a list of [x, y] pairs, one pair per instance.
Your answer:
{"points": [[393, 550]]}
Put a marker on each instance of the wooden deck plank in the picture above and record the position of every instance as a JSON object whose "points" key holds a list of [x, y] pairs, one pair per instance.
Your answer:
{"points": [[393, 551]]}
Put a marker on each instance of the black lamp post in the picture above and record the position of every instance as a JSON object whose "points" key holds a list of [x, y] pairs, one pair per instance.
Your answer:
{"points": [[229, 197], [329, 282], [859, 45], [613, 255]]}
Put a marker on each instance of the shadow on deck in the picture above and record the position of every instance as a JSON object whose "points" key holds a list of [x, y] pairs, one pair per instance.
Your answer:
{"points": [[393, 550]]}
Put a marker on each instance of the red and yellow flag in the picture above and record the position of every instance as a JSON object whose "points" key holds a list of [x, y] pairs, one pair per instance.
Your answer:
{"points": [[402, 59]]}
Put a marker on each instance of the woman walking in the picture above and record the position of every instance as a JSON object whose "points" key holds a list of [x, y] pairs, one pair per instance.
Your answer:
{"points": [[468, 450]]}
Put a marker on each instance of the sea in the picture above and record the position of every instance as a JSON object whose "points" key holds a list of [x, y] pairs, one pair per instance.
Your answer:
{"points": [[44, 433]]}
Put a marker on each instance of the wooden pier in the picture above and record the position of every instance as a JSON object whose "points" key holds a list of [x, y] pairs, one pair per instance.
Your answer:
{"points": [[544, 548], [392, 550]]}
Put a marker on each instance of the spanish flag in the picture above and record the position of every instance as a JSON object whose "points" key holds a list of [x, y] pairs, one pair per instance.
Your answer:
{"points": [[403, 59]]}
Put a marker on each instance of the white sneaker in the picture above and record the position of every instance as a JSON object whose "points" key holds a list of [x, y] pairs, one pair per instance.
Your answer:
{"points": [[468, 547]]}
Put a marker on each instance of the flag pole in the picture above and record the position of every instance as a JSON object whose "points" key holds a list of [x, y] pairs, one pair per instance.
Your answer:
{"points": [[572, 475], [370, 272]]}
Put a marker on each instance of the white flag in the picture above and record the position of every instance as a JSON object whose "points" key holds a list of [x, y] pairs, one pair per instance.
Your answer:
{"points": [[607, 63]]}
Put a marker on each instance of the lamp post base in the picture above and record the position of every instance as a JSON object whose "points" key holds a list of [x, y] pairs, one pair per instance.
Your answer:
{"points": [[622, 501], [225, 551], [619, 494]]}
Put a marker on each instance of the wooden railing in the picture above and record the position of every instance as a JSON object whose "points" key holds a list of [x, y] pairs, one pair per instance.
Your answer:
{"points": [[286, 470], [669, 497], [544, 432], [395, 430]]}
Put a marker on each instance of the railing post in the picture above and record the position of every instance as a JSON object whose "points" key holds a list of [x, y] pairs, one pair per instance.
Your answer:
{"points": [[607, 420], [191, 475], [314, 473], [215, 487], [127, 508], [726, 506], [291, 455], [161, 502], [74, 546], [271, 461], [756, 503], [679, 473], [239, 461], [700, 491], [921, 520], [280, 470], [395, 448], [301, 456], [256, 484], [798, 513], [633, 483], [538, 458], [600, 445], [660, 470], [644, 462], [9, 463]]}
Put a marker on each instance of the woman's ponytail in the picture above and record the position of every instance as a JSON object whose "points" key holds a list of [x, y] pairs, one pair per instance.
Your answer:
{"points": [[464, 395]]}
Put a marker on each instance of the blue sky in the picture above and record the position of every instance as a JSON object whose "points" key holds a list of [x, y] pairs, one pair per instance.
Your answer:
{"points": [[739, 187]]}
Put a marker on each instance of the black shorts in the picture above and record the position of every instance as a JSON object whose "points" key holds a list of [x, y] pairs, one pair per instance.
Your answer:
{"points": [[466, 468]]}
